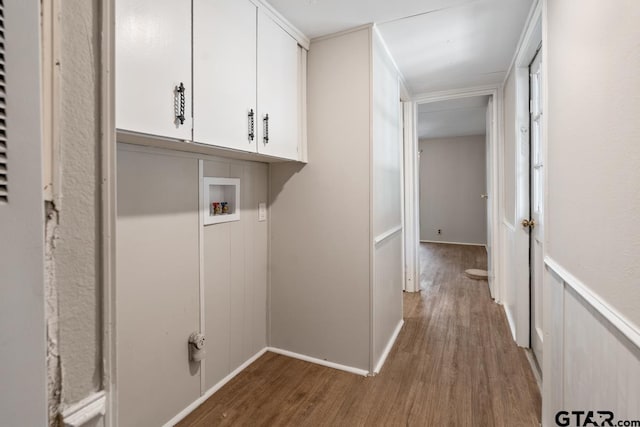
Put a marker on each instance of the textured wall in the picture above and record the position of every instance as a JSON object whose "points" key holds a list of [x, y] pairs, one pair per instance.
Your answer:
{"points": [[593, 166], [452, 178], [76, 253]]}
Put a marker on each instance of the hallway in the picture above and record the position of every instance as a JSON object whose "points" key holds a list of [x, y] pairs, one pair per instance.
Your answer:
{"points": [[454, 363]]}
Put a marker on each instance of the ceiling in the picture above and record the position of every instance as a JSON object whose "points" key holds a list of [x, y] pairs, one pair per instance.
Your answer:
{"points": [[437, 44], [456, 117]]}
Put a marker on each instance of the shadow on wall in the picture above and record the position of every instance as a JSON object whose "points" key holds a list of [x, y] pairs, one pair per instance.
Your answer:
{"points": [[156, 183]]}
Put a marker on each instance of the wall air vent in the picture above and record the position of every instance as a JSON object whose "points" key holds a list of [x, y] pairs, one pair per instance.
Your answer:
{"points": [[4, 184]]}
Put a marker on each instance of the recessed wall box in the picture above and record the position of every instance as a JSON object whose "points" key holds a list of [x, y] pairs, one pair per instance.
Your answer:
{"points": [[221, 200]]}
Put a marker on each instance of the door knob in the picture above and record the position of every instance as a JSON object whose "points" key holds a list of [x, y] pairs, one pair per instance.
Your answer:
{"points": [[484, 196], [529, 223]]}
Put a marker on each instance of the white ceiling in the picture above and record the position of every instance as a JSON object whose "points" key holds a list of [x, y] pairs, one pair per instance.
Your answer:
{"points": [[437, 44], [456, 117]]}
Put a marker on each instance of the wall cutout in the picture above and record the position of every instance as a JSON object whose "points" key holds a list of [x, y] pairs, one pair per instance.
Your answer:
{"points": [[221, 200]]}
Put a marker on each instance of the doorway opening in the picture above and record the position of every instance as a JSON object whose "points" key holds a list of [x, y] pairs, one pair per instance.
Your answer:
{"points": [[457, 151]]}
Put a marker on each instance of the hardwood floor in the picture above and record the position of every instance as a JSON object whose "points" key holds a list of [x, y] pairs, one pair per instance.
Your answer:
{"points": [[454, 364]]}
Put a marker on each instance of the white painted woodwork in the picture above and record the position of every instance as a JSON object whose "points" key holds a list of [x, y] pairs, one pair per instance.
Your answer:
{"points": [[387, 150], [490, 202], [220, 190], [235, 275], [536, 205], [211, 279], [515, 182], [411, 198], [320, 279], [224, 72], [153, 56], [454, 117], [157, 285], [22, 304], [591, 355], [452, 179], [278, 90]]}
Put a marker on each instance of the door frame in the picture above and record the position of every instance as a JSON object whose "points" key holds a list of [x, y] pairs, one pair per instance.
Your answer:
{"points": [[108, 153], [531, 40], [411, 200], [496, 283]]}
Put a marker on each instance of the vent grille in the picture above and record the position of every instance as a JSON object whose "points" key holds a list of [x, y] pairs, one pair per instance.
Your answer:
{"points": [[4, 184]]}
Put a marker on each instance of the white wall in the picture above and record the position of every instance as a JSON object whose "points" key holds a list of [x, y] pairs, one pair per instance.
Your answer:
{"points": [[158, 280], [593, 204], [387, 200], [452, 179], [336, 223], [320, 214], [593, 162]]}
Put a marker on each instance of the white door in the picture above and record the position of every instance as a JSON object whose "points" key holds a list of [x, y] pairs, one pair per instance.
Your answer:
{"points": [[277, 90], [224, 73], [487, 197], [536, 205], [153, 60]]}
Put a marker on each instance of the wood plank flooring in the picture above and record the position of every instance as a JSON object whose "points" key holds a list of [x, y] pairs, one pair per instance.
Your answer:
{"points": [[454, 364]]}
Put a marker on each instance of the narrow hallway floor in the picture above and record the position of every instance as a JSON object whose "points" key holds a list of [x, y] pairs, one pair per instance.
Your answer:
{"points": [[454, 364]]}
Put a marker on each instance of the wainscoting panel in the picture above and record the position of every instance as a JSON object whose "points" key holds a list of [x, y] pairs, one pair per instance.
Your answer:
{"points": [[591, 363]]}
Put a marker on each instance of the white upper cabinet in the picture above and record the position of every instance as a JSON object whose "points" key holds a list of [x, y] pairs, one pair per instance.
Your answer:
{"points": [[153, 60], [278, 90], [232, 61], [224, 73]]}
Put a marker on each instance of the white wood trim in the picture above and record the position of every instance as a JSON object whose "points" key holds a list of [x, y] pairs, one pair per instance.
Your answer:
{"points": [[342, 33], [510, 227], [535, 14], [108, 147], [317, 361], [454, 243], [403, 81], [626, 327], [201, 280], [444, 95], [186, 411], [154, 141], [384, 236], [411, 199], [388, 348], [86, 410], [510, 320], [283, 22]]}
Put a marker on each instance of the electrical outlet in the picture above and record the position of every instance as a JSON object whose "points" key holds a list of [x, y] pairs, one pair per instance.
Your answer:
{"points": [[439, 231], [262, 211]]}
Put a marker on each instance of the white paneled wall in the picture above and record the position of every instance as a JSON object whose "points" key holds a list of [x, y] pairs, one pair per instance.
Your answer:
{"points": [[589, 363]]}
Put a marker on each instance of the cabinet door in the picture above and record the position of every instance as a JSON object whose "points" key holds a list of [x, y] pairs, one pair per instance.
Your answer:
{"points": [[153, 57], [278, 74], [224, 73]]}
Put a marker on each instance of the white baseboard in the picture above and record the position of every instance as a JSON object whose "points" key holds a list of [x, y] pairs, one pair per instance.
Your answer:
{"points": [[454, 243], [388, 348], [326, 363], [86, 410], [510, 321], [186, 411]]}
